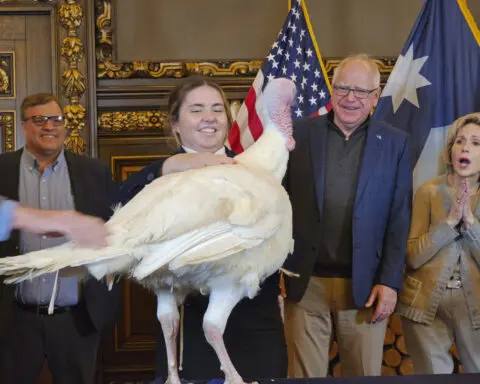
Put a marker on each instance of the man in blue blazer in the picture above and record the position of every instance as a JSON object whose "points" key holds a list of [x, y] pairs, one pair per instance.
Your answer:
{"points": [[350, 184]]}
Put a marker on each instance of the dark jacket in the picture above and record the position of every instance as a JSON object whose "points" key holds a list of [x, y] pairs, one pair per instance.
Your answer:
{"points": [[254, 334], [92, 187], [382, 208]]}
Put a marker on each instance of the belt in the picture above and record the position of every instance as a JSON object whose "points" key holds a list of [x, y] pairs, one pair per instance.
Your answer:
{"points": [[454, 284], [42, 310]]}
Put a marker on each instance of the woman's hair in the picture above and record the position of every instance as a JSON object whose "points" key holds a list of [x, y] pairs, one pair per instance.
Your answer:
{"points": [[178, 95], [472, 118]]}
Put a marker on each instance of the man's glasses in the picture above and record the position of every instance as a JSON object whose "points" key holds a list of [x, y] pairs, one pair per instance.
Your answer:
{"points": [[41, 121], [358, 93]]}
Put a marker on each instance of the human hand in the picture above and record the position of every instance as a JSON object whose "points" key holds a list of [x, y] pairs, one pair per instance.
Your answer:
{"points": [[467, 214], [459, 201], [386, 299], [186, 161], [83, 230]]}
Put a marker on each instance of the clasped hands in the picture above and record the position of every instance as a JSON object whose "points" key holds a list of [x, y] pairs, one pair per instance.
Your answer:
{"points": [[461, 209]]}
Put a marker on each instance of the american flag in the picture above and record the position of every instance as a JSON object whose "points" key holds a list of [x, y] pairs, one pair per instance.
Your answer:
{"points": [[293, 55]]}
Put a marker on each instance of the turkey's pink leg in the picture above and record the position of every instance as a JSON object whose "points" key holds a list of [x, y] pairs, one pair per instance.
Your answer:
{"points": [[220, 306], [167, 314]]}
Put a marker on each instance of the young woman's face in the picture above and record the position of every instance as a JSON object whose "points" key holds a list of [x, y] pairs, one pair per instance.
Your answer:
{"points": [[202, 120], [466, 151]]}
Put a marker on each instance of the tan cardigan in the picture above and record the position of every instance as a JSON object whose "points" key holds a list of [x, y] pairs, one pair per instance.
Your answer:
{"points": [[434, 249]]}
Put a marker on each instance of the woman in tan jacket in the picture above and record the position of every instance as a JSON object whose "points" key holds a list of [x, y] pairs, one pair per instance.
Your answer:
{"points": [[440, 298]]}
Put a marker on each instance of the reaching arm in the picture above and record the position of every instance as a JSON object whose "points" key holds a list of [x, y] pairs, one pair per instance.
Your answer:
{"points": [[185, 161], [84, 230]]}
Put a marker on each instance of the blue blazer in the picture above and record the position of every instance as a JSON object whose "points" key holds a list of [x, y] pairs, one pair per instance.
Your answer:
{"points": [[382, 210]]}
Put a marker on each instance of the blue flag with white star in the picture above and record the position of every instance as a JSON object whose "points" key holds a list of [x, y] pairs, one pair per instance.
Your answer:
{"points": [[436, 80]]}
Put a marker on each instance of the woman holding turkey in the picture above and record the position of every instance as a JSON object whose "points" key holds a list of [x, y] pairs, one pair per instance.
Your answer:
{"points": [[200, 119], [440, 299]]}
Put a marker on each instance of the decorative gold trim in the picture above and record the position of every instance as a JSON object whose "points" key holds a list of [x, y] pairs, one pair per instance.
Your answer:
{"points": [[71, 17], [108, 69], [132, 121], [7, 75], [8, 125]]}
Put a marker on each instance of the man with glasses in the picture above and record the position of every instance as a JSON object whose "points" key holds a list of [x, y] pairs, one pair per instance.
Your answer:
{"points": [[350, 181], [43, 175]]}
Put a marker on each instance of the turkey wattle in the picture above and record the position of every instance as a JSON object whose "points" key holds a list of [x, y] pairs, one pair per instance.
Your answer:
{"points": [[219, 230]]}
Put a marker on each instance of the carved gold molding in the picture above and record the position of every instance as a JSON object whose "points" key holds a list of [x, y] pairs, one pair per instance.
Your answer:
{"points": [[7, 125], [7, 75], [71, 17], [132, 121], [108, 69]]}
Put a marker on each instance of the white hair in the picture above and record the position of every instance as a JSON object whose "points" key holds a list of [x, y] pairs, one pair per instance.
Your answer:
{"points": [[364, 58]]}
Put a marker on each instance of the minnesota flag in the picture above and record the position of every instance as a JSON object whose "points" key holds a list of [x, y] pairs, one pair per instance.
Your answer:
{"points": [[436, 80]]}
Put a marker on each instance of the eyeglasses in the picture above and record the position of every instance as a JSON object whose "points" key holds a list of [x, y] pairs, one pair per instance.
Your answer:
{"points": [[41, 121], [358, 93]]}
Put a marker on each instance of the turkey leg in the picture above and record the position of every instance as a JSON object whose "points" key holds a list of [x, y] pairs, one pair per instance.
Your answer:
{"points": [[220, 305], [167, 314]]}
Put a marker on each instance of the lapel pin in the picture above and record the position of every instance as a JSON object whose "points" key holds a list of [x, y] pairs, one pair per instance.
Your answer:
{"points": [[379, 137]]}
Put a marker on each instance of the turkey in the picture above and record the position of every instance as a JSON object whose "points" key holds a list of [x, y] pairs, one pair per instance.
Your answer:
{"points": [[219, 230]]}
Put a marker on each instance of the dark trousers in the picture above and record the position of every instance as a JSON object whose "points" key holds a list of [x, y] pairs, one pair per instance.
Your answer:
{"points": [[71, 356]]}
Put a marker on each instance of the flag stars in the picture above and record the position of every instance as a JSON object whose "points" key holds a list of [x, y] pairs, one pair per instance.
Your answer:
{"points": [[299, 50], [287, 56], [306, 67], [284, 70], [299, 112], [270, 57], [296, 13], [290, 42], [296, 63], [314, 87], [284, 38], [275, 64], [275, 44], [309, 52], [300, 99], [323, 95], [293, 77], [317, 73], [270, 77], [279, 51], [313, 101]]}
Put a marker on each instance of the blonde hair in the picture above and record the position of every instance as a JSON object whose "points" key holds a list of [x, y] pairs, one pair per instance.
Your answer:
{"points": [[457, 125], [364, 58]]}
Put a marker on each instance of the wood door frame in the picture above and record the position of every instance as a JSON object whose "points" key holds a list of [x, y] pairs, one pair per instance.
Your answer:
{"points": [[70, 69]]}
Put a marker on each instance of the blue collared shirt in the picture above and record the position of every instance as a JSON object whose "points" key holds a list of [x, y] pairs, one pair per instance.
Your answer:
{"points": [[6, 217], [50, 190]]}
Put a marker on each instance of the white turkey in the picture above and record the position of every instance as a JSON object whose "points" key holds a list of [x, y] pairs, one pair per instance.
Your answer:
{"points": [[220, 230]]}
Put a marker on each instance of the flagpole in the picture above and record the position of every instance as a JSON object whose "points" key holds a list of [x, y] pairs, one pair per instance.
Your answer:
{"points": [[462, 4], [289, 5], [314, 41]]}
